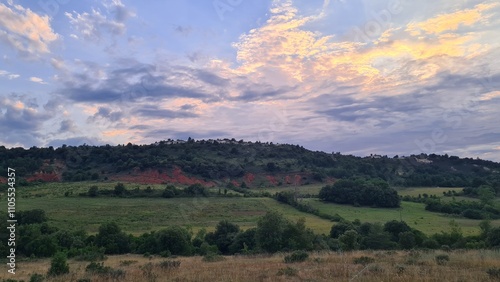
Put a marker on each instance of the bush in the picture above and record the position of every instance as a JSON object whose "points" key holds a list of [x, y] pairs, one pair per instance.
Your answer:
{"points": [[364, 260], [212, 257], [494, 273], [127, 262], [96, 267], [35, 277], [442, 259], [297, 256], [58, 265], [289, 271], [168, 264]]}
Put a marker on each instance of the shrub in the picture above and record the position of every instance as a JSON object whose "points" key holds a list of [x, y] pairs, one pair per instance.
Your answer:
{"points": [[400, 269], [147, 271], [364, 260], [35, 277], [375, 268], [58, 265], [127, 262], [96, 267], [442, 259], [297, 256], [168, 264], [289, 271], [212, 257], [494, 273]]}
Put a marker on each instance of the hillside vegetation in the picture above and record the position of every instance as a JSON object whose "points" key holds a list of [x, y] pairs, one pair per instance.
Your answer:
{"points": [[212, 162]]}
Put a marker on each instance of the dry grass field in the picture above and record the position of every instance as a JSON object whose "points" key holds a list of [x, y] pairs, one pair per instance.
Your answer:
{"points": [[326, 266]]}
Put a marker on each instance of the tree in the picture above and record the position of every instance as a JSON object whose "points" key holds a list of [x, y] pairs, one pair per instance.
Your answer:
{"points": [[407, 240], [269, 233], [395, 227], [196, 190], [119, 189], [339, 229], [493, 238], [112, 239], [349, 240], [93, 191], [174, 239], [58, 265], [224, 235], [486, 194], [31, 216]]}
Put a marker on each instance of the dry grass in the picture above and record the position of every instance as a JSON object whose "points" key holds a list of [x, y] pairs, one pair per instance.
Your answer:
{"points": [[325, 266]]}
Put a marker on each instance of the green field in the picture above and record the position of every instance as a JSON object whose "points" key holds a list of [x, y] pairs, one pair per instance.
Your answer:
{"points": [[415, 191], [412, 213], [312, 189], [139, 215]]}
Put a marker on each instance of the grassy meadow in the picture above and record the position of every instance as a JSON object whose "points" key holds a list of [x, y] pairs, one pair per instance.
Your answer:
{"points": [[65, 209], [412, 266]]}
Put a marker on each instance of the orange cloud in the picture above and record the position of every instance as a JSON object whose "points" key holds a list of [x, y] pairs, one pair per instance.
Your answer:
{"points": [[116, 132], [25, 30], [490, 95], [451, 21], [283, 49]]}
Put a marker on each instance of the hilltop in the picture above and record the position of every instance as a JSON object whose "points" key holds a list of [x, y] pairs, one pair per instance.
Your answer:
{"points": [[247, 164]]}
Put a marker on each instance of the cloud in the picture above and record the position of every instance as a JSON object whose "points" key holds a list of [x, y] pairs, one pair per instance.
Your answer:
{"points": [[452, 21], [490, 95], [9, 75], [76, 141], [94, 26], [183, 30], [21, 120], [37, 80], [156, 112], [67, 126], [26, 31], [108, 114]]}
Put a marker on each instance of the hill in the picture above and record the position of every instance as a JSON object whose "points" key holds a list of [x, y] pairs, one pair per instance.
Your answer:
{"points": [[250, 164]]}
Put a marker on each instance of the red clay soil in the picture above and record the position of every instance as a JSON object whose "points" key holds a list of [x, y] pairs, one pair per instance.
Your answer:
{"points": [[272, 180], [249, 178], [44, 176], [298, 179], [155, 177]]}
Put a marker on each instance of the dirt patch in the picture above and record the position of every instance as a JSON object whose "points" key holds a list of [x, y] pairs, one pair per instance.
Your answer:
{"points": [[272, 180], [153, 176], [249, 178]]}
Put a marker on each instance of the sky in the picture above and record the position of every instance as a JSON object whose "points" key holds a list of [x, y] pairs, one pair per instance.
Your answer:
{"points": [[361, 77]]}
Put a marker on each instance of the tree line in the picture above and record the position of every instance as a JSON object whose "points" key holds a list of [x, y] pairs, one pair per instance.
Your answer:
{"points": [[273, 233], [233, 159], [376, 193]]}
